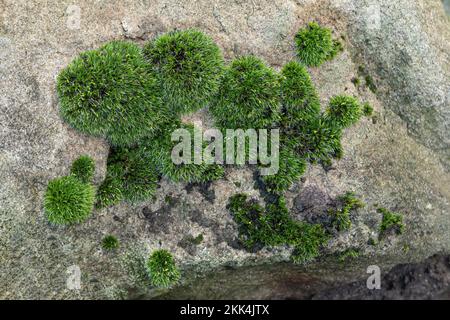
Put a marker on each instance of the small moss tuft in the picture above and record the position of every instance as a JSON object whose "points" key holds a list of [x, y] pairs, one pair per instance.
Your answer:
{"points": [[391, 222], [367, 109], [110, 242], [189, 65], [348, 254], [315, 45], [162, 269], [341, 215], [83, 168], [68, 200], [273, 226], [343, 111], [110, 92], [248, 96]]}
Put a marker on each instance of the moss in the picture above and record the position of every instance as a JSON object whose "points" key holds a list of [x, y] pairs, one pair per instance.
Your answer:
{"points": [[129, 177], [343, 111], [159, 152], [111, 92], [189, 65], [110, 242], [341, 215], [315, 45], [68, 200], [338, 47], [356, 81], [318, 140], [348, 254], [370, 83], [248, 96], [298, 95], [372, 242], [162, 269], [273, 226], [392, 222], [83, 168], [291, 168], [367, 109]]}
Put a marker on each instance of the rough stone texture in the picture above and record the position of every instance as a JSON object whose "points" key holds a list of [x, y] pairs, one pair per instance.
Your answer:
{"points": [[398, 160]]}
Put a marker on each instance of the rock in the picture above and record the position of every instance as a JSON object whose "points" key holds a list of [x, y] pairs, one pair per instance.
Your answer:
{"points": [[399, 161]]}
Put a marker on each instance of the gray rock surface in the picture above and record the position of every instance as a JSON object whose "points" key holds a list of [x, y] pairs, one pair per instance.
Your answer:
{"points": [[398, 160]]}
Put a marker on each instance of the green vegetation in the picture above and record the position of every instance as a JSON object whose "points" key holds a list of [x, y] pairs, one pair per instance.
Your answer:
{"points": [[189, 65], [343, 111], [111, 92], [162, 269], [341, 215], [291, 168], [248, 96], [391, 222], [110, 242], [129, 177], [348, 254], [298, 95], [68, 200], [315, 45], [83, 168], [159, 152], [367, 109], [273, 226], [369, 82]]}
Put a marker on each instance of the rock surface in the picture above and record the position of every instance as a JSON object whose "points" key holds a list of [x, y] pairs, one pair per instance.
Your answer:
{"points": [[398, 160]]}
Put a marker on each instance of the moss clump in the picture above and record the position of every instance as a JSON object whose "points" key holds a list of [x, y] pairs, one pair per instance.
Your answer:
{"points": [[318, 140], [129, 177], [189, 65], [298, 95], [110, 192], [83, 168], [291, 168], [160, 152], [68, 200], [315, 45], [348, 254], [110, 242], [248, 96], [341, 215], [343, 111], [111, 92], [367, 109], [273, 226], [391, 222], [162, 269]]}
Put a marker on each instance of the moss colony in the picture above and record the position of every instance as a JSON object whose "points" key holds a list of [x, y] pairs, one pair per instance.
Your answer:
{"points": [[135, 97]]}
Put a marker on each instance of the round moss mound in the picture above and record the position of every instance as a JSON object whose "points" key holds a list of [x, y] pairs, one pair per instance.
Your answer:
{"points": [[111, 92], [298, 95], [129, 177], [344, 111], [162, 269], [248, 96], [189, 64], [160, 152], [83, 168], [68, 200], [314, 45], [110, 242]]}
